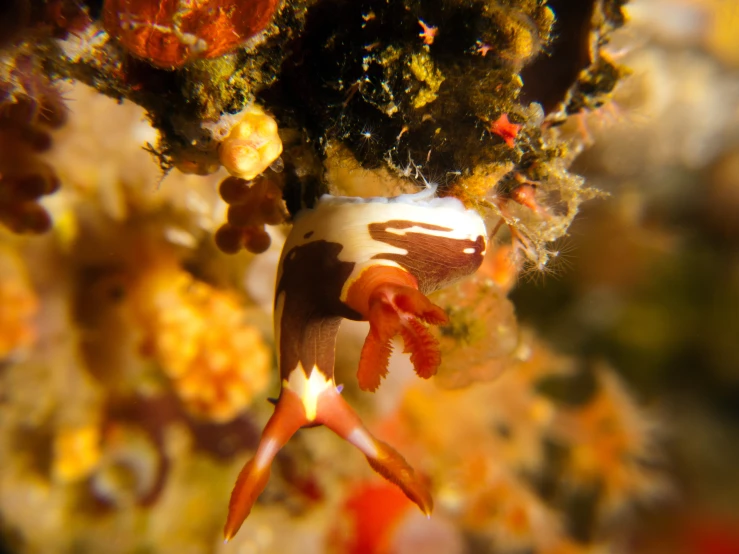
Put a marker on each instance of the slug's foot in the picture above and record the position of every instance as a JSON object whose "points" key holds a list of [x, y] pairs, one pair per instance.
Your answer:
{"points": [[337, 415], [288, 417], [251, 482], [332, 411], [393, 467], [399, 310]]}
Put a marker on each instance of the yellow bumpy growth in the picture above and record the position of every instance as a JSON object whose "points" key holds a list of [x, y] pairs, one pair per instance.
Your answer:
{"points": [[251, 146]]}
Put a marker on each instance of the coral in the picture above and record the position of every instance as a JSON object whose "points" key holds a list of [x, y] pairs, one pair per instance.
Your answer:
{"points": [[76, 452], [487, 461], [172, 33], [19, 306], [217, 363], [26, 117], [251, 145], [613, 447], [252, 205]]}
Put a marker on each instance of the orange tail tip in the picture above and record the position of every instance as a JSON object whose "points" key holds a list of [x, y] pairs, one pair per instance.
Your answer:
{"points": [[249, 485], [288, 417], [393, 310], [393, 467], [337, 415]]}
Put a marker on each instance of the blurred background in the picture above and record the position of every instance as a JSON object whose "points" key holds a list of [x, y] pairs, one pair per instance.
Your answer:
{"points": [[592, 407], [649, 277]]}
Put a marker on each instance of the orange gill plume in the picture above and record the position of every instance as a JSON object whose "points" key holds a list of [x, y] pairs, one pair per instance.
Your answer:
{"points": [[366, 260]]}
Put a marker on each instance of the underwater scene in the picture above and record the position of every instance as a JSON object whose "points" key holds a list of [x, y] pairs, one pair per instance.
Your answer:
{"points": [[369, 276]]}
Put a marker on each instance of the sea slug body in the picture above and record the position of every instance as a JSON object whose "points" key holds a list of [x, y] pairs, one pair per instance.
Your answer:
{"points": [[371, 260]]}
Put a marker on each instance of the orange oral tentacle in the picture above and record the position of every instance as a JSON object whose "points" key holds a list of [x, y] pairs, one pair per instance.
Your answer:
{"points": [[337, 415], [288, 417]]}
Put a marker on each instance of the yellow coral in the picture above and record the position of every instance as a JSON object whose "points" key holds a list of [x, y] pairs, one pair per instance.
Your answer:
{"points": [[76, 452], [251, 146], [217, 362], [424, 71]]}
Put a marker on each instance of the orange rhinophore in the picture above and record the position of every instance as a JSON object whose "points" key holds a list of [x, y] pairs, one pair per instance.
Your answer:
{"points": [[366, 260], [169, 33]]}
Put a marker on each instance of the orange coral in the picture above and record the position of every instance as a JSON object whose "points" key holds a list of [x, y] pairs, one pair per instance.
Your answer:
{"points": [[217, 362], [18, 306], [170, 33], [496, 430], [613, 446], [480, 460]]}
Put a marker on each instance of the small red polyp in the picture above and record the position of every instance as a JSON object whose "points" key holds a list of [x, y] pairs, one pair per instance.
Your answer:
{"points": [[169, 33]]}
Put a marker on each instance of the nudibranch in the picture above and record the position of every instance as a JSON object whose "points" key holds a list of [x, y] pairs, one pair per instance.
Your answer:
{"points": [[367, 260]]}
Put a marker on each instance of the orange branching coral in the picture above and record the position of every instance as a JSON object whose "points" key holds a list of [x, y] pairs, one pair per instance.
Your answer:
{"points": [[18, 306], [216, 361], [613, 447]]}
